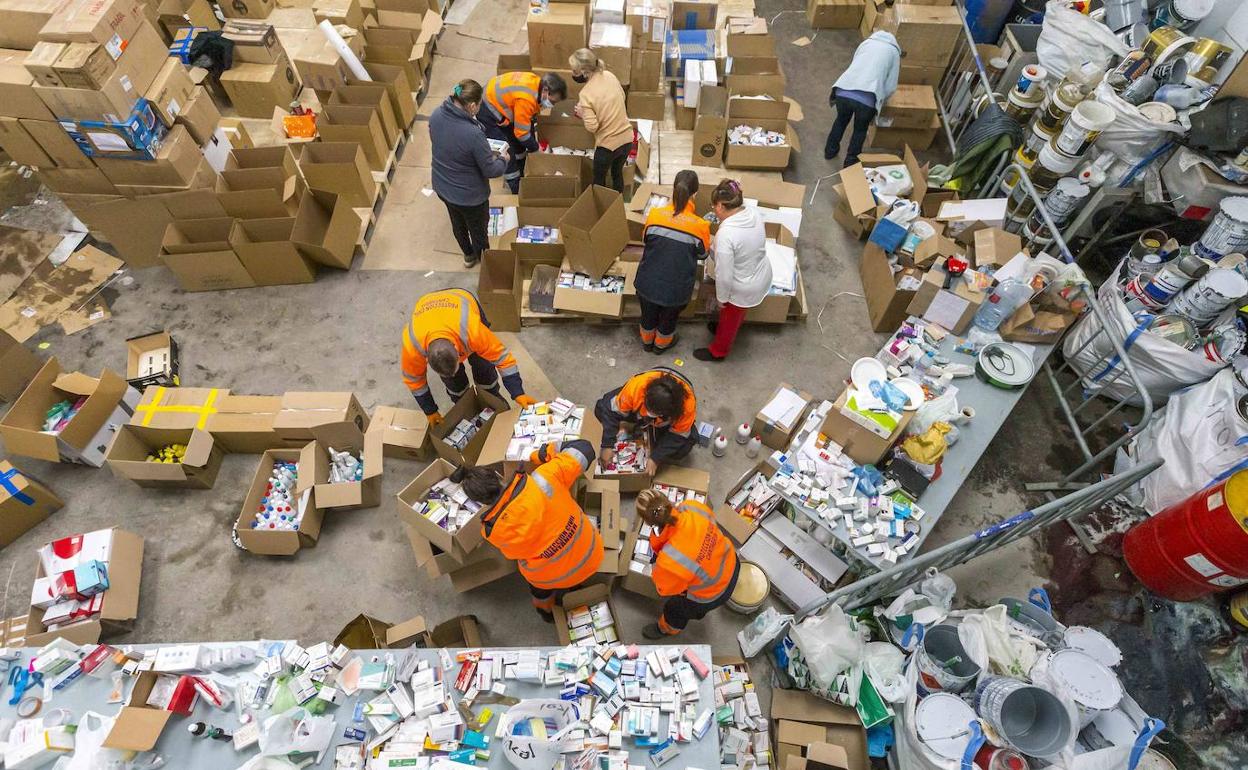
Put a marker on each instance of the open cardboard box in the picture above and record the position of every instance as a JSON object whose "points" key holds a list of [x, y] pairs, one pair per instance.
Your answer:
{"points": [[953, 308], [499, 285], [859, 437], [777, 435], [110, 401], [303, 410], [736, 525], [244, 424], [888, 294], [469, 405], [494, 450], [121, 600], [344, 437], [994, 247], [27, 503], [152, 359], [840, 725], [856, 208], [459, 543], [200, 252], [627, 482], [404, 432], [276, 542], [197, 470], [597, 303], [589, 595], [594, 230], [763, 113], [438, 562], [138, 726], [17, 366], [777, 308]]}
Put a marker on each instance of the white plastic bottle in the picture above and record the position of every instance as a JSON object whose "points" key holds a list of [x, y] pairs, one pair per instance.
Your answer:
{"points": [[743, 433]]}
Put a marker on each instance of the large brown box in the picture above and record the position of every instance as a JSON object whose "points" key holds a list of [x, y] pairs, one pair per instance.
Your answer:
{"points": [[114, 23], [594, 230], [888, 295], [200, 115], [17, 366], [137, 67], [862, 445], [28, 503], [304, 410], [197, 470], [356, 123], [326, 229], [404, 432], [200, 252], [710, 127], [374, 95], [21, 20], [770, 115], [910, 106], [121, 600], [472, 403], [57, 144], [21, 146], [556, 32], [265, 249], [398, 87], [244, 424], [255, 89], [834, 14], [40, 60], [248, 9], [17, 92], [175, 164], [84, 65], [927, 34], [499, 289], [171, 91], [276, 542]]}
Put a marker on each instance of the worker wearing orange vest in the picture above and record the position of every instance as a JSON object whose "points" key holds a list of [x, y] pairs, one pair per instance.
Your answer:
{"points": [[695, 564], [512, 102], [658, 404], [534, 520], [446, 329]]}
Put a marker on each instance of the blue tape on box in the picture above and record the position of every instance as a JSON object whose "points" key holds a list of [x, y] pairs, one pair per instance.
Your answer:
{"points": [[686, 45], [138, 137], [181, 46], [6, 481]]}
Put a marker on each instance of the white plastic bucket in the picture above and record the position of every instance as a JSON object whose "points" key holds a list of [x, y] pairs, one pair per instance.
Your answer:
{"points": [[1083, 127], [1205, 300], [1031, 82], [1228, 232], [942, 722], [1182, 14]]}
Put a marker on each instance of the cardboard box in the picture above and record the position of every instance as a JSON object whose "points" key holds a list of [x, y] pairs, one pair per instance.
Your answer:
{"points": [[22, 20], [732, 522], [994, 247], [114, 23], [747, 37], [177, 408], [398, 87], [394, 48], [139, 726], [152, 359], [255, 89], [650, 20], [694, 14], [549, 191], [326, 229], [770, 115], [484, 572], [613, 45], [594, 230], [264, 248], [648, 105], [404, 433], [83, 65], [921, 74], [888, 295], [897, 138], [200, 252], [248, 9], [40, 60], [469, 405], [594, 303], [175, 165], [20, 146], [646, 72], [499, 289], [304, 410], [601, 501], [56, 144], [345, 123], [110, 401], [459, 543], [777, 308], [320, 65], [340, 168], [685, 478], [255, 42], [556, 31], [951, 308], [834, 14], [17, 366], [910, 106], [244, 424], [927, 34], [346, 12], [314, 462], [373, 95], [499, 433], [439, 563], [24, 502], [171, 91], [260, 182], [710, 127], [116, 98], [777, 433], [862, 444], [590, 595], [17, 92], [841, 724], [120, 603], [276, 542], [856, 208], [197, 470]]}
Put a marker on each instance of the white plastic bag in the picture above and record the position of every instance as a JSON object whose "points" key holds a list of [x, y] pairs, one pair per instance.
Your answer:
{"points": [[1162, 366], [89, 752], [529, 753], [831, 642], [1199, 436], [943, 408], [1132, 136], [885, 665], [1009, 653], [296, 732], [765, 628], [1068, 39]]}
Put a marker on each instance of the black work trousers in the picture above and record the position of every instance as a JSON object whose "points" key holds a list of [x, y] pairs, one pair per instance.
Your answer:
{"points": [[611, 161], [471, 226], [861, 115]]}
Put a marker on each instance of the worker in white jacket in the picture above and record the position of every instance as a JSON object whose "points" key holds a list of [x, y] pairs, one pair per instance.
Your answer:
{"points": [[861, 91], [742, 269]]}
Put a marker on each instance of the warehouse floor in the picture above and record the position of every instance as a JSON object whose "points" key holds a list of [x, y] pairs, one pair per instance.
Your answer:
{"points": [[343, 333]]}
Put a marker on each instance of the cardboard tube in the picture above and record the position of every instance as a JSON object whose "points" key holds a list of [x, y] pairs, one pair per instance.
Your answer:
{"points": [[353, 62]]}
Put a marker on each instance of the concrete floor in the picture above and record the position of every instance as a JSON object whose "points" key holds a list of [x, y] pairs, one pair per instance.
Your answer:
{"points": [[343, 333]]}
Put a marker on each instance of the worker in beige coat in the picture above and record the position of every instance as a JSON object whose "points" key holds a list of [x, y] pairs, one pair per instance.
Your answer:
{"points": [[601, 107]]}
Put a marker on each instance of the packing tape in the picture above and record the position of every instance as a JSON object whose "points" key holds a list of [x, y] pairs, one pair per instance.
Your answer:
{"points": [[29, 706], [205, 411], [6, 482]]}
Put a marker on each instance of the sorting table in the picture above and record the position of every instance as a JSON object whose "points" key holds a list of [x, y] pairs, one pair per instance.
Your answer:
{"points": [[185, 752], [992, 406]]}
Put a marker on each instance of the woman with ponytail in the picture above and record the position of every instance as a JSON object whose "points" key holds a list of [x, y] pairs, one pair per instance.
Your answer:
{"points": [[676, 239]]}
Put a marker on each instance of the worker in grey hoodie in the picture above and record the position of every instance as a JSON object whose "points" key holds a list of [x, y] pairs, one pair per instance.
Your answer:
{"points": [[463, 165], [861, 90]]}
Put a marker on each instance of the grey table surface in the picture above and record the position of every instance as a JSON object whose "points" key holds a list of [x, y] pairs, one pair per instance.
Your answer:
{"points": [[181, 751]]}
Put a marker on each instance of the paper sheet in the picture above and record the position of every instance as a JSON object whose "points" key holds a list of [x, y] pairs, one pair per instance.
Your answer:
{"points": [[784, 408], [783, 266], [946, 309]]}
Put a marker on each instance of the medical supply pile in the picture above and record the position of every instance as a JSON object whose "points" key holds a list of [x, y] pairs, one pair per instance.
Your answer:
{"points": [[60, 413], [466, 428], [72, 578], [447, 505], [608, 284], [589, 625], [537, 234], [756, 136], [281, 507], [641, 561], [344, 467], [546, 422], [744, 737], [630, 457], [755, 498], [678, 495], [173, 453]]}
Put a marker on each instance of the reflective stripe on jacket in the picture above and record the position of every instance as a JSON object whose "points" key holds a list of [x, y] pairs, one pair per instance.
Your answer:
{"points": [[695, 557], [674, 244], [516, 97], [537, 523], [628, 404], [454, 315]]}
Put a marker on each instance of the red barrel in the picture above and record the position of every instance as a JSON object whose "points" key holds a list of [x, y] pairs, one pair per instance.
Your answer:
{"points": [[1196, 547]]}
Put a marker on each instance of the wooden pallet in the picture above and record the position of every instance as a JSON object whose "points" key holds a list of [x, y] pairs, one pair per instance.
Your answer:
{"points": [[369, 214]]}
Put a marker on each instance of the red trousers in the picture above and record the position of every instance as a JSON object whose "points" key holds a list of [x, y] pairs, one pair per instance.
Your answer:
{"points": [[730, 318]]}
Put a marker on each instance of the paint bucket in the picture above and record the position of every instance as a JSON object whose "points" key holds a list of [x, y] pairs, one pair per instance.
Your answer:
{"points": [[1110, 728], [1030, 83], [1225, 341], [1172, 278], [1066, 197], [1021, 204], [992, 758], [1171, 72], [1037, 138], [1051, 165], [942, 722], [1207, 54], [1205, 300], [1091, 684], [1083, 127], [751, 590], [1013, 224], [1152, 760], [1141, 90], [1027, 718], [944, 665], [1164, 42], [1201, 78], [1158, 112], [1022, 106], [1036, 234], [1057, 106], [1228, 232], [1133, 66], [1181, 14], [1029, 619], [1175, 329]]}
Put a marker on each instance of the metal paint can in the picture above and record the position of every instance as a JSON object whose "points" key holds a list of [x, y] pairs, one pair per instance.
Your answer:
{"points": [[1057, 106], [1021, 107], [1182, 14], [1031, 81], [1051, 165], [943, 664], [1164, 42], [1091, 684], [1228, 232], [1134, 65], [1141, 90], [1020, 204], [751, 590], [942, 722], [1205, 300], [1159, 112], [1029, 719], [1066, 197], [1205, 54]]}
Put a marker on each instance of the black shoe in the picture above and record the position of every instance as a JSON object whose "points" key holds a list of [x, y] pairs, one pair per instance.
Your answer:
{"points": [[704, 354], [661, 350], [549, 617], [652, 631], [648, 347], [831, 154], [712, 326], [471, 260], [849, 162]]}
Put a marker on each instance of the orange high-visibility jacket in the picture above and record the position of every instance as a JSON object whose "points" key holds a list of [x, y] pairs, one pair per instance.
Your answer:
{"points": [[538, 523], [695, 557], [452, 315], [628, 404], [516, 97]]}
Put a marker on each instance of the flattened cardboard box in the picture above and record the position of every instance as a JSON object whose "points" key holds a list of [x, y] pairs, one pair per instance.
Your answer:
{"points": [[197, 469], [346, 495], [24, 502], [121, 600], [276, 542]]}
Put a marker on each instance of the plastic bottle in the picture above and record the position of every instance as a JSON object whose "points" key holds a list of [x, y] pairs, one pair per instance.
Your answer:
{"points": [[743, 433], [1006, 297], [753, 447], [720, 445]]}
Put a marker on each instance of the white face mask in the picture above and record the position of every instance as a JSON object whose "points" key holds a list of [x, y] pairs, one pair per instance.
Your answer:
{"points": [[547, 103]]}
